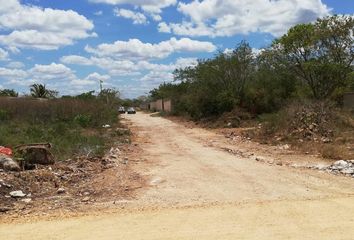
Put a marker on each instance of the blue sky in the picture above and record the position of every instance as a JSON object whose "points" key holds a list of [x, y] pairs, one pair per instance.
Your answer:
{"points": [[134, 45]]}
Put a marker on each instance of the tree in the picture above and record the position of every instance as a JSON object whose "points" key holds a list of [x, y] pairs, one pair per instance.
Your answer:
{"points": [[40, 91], [321, 53], [8, 93], [109, 95], [90, 95]]}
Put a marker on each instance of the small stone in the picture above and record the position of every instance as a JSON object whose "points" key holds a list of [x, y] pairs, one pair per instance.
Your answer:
{"points": [[4, 209], [26, 200], [320, 167], [347, 171], [85, 199], [17, 194], [61, 190], [284, 147], [340, 164]]}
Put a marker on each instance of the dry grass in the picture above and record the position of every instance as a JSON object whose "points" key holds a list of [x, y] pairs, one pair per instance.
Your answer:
{"points": [[43, 110]]}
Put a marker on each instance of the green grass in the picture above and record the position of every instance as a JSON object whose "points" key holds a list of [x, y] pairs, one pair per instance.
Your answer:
{"points": [[72, 127], [67, 139]]}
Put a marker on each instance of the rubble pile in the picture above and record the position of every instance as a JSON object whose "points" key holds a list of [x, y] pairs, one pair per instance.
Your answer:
{"points": [[311, 122], [70, 178], [345, 167]]}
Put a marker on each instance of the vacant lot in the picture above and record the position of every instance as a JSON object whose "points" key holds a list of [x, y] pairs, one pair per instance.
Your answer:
{"points": [[197, 190]]}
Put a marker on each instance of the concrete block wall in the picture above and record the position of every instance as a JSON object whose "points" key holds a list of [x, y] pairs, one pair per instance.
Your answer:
{"points": [[161, 105]]}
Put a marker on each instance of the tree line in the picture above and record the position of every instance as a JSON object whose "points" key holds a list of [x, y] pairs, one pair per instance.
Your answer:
{"points": [[311, 61]]}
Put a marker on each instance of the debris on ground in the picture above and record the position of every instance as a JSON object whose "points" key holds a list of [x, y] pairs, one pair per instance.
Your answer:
{"points": [[17, 194], [345, 167], [37, 153], [122, 131], [68, 184], [8, 164], [6, 151], [61, 190]]}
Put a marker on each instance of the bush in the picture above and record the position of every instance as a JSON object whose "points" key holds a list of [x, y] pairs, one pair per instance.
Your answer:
{"points": [[82, 120], [3, 115], [331, 152]]}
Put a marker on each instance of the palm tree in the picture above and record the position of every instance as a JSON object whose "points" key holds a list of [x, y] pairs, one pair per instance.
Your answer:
{"points": [[41, 91]]}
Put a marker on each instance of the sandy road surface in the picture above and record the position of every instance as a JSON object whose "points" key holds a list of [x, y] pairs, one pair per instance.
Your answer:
{"points": [[205, 193]]}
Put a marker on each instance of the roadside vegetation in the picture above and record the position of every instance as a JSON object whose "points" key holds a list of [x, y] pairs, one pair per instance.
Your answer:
{"points": [[294, 87], [72, 124]]}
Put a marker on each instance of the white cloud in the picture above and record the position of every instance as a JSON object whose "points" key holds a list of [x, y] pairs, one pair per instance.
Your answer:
{"points": [[229, 17], [185, 62], [163, 27], [127, 67], [151, 6], [17, 65], [98, 77], [137, 17], [90, 80], [158, 77], [114, 67], [4, 55], [41, 28], [98, 13], [7, 74], [135, 49], [55, 76], [143, 75], [228, 51], [156, 17], [160, 73], [75, 59], [53, 71]]}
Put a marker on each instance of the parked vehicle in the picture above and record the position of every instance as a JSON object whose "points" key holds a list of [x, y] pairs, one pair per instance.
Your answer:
{"points": [[131, 110], [121, 110]]}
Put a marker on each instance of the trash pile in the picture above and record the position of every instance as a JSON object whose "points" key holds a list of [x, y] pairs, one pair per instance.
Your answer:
{"points": [[27, 156]]}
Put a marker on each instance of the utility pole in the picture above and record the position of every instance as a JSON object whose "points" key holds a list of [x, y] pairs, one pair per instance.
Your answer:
{"points": [[101, 86]]}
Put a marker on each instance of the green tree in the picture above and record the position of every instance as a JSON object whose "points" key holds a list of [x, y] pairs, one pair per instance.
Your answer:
{"points": [[110, 96], [90, 95], [8, 93], [321, 54], [41, 91]]}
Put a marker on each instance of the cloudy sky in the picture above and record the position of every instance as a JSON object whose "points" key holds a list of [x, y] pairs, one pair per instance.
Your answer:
{"points": [[134, 45]]}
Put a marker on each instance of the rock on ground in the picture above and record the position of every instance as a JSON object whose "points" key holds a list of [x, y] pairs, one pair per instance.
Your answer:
{"points": [[8, 163]]}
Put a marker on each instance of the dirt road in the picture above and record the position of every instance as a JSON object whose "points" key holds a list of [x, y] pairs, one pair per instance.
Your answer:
{"points": [[202, 192]]}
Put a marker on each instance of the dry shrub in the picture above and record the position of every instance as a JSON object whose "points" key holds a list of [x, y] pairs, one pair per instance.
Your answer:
{"points": [[307, 120], [54, 110], [331, 152]]}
